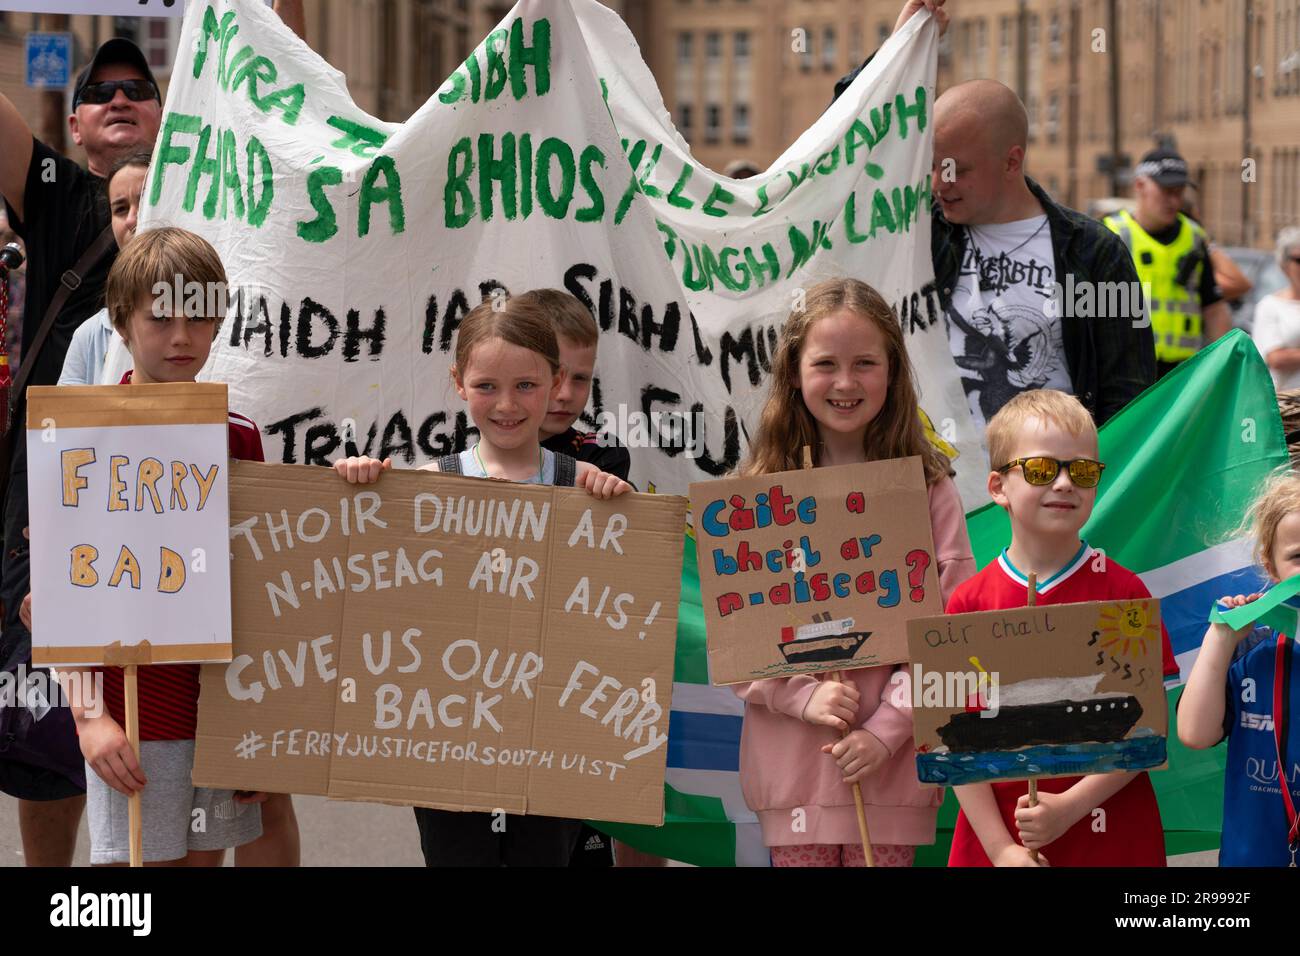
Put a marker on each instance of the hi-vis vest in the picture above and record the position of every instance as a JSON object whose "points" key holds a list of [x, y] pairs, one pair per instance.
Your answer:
{"points": [[1174, 306]]}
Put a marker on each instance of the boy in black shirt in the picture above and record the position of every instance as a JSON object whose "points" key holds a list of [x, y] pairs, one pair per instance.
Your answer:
{"points": [[578, 335]]}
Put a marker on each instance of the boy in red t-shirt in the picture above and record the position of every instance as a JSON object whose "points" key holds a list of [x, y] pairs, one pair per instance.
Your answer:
{"points": [[164, 348], [1043, 453]]}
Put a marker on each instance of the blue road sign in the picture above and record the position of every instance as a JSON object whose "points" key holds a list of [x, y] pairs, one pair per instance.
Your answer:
{"points": [[49, 59]]}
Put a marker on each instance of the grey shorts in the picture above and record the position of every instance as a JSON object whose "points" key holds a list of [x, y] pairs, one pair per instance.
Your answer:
{"points": [[176, 815]]}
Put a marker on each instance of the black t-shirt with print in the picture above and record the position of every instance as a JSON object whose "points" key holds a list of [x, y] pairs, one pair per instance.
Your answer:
{"points": [[586, 446]]}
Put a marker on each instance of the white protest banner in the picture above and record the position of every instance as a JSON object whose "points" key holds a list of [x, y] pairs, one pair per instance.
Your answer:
{"points": [[546, 160], [129, 524]]}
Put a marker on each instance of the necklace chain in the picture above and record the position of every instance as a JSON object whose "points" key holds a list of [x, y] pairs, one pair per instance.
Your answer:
{"points": [[541, 461], [1009, 253]]}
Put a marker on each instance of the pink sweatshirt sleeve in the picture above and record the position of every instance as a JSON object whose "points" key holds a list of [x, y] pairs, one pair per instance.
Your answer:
{"points": [[891, 723], [951, 543], [784, 695]]}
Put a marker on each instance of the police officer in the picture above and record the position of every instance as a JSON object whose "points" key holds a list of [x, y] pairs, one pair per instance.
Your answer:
{"points": [[1172, 257]]}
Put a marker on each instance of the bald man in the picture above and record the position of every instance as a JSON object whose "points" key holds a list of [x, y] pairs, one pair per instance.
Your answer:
{"points": [[1034, 295]]}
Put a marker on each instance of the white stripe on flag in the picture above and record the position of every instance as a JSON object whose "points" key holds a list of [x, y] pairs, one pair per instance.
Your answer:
{"points": [[1185, 661], [1199, 567], [723, 784], [707, 699]]}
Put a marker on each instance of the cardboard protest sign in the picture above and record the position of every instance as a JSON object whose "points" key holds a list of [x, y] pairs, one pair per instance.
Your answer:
{"points": [[1047, 691], [816, 570], [446, 641], [129, 524], [546, 160]]}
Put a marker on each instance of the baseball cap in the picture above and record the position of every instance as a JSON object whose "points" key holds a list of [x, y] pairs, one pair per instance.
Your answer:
{"points": [[1165, 167], [116, 50]]}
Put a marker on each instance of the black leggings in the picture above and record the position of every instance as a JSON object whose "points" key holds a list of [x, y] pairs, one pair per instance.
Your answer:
{"points": [[451, 838]]}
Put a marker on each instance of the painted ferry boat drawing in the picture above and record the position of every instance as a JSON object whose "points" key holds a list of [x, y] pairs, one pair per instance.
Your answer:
{"points": [[823, 640], [1052, 710]]}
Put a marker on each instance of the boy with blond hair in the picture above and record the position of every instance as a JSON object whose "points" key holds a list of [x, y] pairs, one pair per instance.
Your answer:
{"points": [[1044, 470]]}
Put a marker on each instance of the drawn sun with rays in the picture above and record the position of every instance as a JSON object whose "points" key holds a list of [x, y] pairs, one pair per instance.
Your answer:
{"points": [[1125, 628]]}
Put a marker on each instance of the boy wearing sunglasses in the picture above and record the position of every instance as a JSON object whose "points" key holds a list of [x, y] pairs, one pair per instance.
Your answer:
{"points": [[1045, 472]]}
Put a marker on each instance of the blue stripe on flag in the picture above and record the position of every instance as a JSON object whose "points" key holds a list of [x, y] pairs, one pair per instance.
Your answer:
{"points": [[703, 741], [1186, 612]]}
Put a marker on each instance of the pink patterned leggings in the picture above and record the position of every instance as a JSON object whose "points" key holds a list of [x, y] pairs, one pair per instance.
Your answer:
{"points": [[848, 854]]}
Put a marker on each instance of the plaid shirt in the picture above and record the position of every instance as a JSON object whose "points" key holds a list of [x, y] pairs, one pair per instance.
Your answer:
{"points": [[1111, 358]]}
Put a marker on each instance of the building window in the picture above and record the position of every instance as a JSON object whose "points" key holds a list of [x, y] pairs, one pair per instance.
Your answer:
{"points": [[740, 124], [1054, 44], [740, 43], [712, 123], [685, 67], [828, 48], [1053, 116], [855, 45], [1006, 51], [712, 47], [805, 54], [684, 120]]}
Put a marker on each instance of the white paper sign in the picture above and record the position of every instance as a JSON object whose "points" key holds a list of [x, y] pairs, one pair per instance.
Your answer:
{"points": [[129, 532]]}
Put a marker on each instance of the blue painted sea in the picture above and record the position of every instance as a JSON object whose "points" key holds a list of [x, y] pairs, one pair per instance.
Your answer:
{"points": [[956, 769]]}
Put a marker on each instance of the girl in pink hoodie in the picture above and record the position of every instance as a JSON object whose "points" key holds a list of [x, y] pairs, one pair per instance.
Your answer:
{"points": [[842, 385]]}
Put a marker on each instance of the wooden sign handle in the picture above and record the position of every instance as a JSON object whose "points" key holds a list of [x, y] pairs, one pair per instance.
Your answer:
{"points": [[863, 832], [857, 787], [132, 706], [1032, 600]]}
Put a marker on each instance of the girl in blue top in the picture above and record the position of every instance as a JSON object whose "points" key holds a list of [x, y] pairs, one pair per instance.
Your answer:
{"points": [[507, 363], [1245, 686]]}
